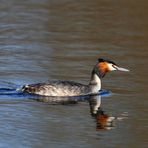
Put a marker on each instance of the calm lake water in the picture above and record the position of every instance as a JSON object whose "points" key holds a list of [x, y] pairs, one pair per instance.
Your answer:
{"points": [[62, 39]]}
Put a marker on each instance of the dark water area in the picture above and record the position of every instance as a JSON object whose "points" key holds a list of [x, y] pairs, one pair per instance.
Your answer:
{"points": [[62, 40]]}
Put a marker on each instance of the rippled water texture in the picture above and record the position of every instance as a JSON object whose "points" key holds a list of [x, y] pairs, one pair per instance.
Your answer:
{"points": [[42, 40]]}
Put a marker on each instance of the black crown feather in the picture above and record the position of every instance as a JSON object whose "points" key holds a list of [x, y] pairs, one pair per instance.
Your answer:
{"points": [[106, 60]]}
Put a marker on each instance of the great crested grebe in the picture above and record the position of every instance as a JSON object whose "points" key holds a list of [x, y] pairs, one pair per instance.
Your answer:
{"points": [[70, 88]]}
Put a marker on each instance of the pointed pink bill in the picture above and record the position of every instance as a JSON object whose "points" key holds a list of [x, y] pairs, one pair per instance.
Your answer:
{"points": [[122, 69]]}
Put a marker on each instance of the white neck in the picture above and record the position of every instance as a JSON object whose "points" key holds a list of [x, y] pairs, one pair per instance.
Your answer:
{"points": [[95, 84]]}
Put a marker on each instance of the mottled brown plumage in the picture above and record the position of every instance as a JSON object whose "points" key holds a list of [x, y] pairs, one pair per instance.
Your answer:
{"points": [[57, 88]]}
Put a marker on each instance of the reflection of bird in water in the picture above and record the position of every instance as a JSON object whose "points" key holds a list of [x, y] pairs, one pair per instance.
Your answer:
{"points": [[95, 103], [70, 88], [103, 121]]}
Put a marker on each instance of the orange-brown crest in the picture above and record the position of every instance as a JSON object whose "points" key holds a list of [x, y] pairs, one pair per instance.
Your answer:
{"points": [[103, 66]]}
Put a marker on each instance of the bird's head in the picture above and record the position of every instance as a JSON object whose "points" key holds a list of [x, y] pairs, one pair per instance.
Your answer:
{"points": [[103, 66]]}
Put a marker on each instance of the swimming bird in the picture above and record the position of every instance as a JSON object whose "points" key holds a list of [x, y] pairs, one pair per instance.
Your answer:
{"points": [[70, 88]]}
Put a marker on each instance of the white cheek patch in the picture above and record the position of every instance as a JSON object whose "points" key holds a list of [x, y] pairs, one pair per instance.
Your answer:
{"points": [[111, 68]]}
